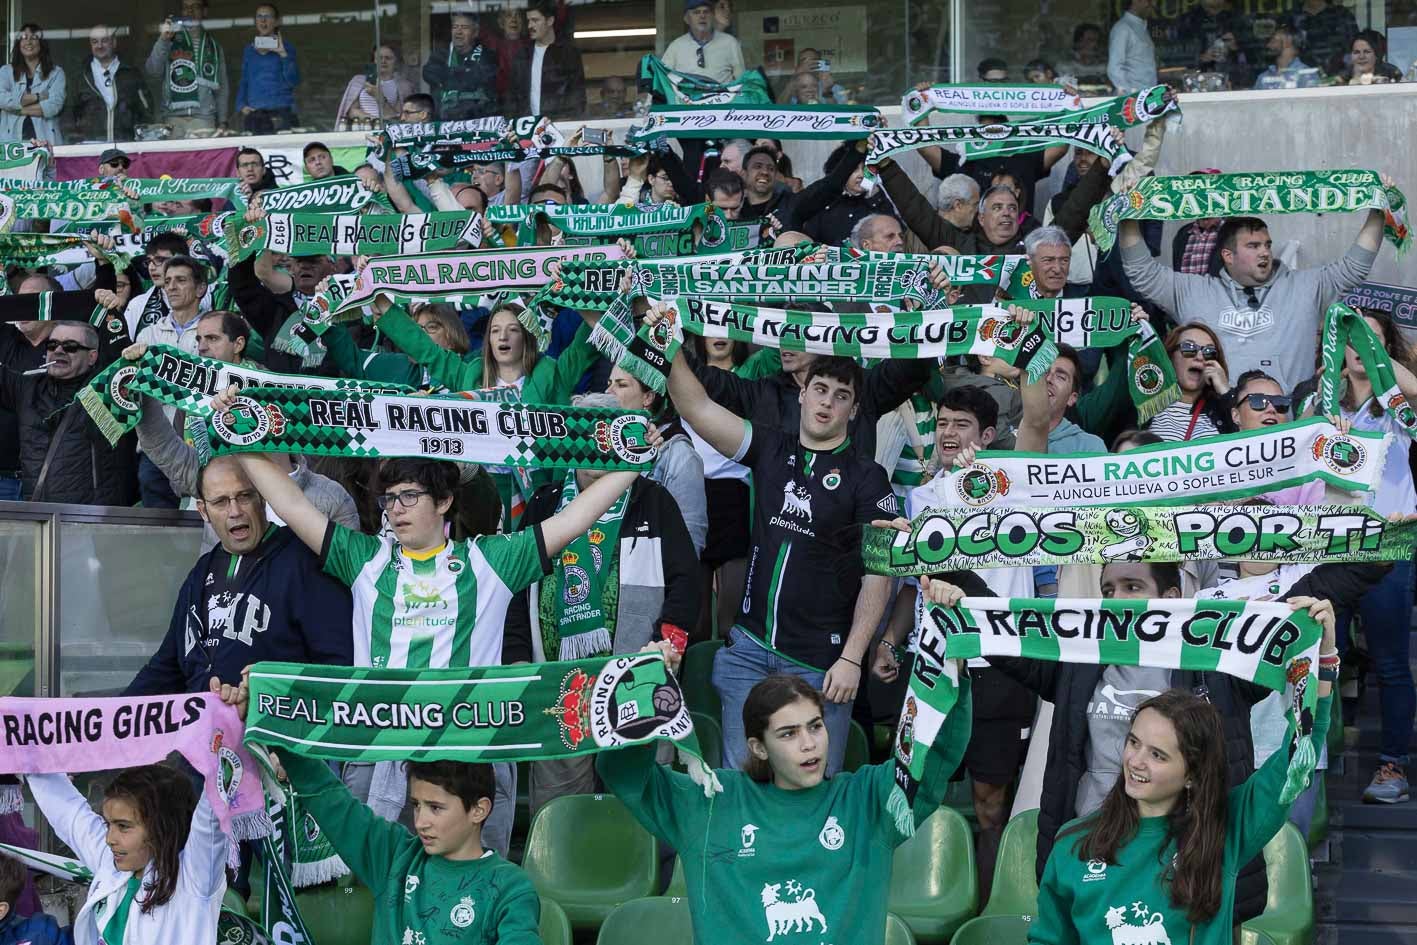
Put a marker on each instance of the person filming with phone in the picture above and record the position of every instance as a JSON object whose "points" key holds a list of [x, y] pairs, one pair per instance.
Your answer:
{"points": [[265, 99], [189, 68]]}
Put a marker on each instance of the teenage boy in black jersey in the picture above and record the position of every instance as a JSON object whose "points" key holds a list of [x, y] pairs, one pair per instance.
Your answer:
{"points": [[808, 607]]}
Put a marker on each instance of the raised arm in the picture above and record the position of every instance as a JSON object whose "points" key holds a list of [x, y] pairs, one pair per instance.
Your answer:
{"points": [[720, 427], [577, 518]]}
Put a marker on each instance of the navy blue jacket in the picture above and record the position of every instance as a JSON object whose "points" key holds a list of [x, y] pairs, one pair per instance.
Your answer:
{"points": [[286, 608], [37, 929]]}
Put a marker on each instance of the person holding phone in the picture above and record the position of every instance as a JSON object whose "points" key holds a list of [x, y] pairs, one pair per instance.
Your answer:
{"points": [[376, 92], [265, 99], [189, 67]]}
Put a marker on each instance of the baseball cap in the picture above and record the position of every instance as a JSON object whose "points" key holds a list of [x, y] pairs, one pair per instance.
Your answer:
{"points": [[113, 155], [695, 4], [314, 146]]}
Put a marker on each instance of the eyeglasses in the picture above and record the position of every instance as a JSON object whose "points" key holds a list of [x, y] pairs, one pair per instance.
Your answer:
{"points": [[223, 502], [1259, 402], [265, 16], [414, 113], [1190, 349], [28, 35], [68, 347], [700, 53], [407, 498], [1250, 299]]}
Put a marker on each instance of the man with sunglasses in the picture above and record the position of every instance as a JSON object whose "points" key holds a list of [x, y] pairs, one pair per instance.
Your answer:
{"points": [[63, 455], [1265, 314], [703, 50], [109, 99]]}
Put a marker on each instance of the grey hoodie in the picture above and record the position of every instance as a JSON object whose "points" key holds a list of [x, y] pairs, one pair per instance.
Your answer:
{"points": [[1278, 333]]}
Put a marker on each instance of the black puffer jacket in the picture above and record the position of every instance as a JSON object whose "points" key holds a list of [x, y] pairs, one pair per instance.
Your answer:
{"points": [[85, 470]]}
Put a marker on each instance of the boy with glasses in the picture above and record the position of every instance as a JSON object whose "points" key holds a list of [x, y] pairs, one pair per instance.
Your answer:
{"points": [[421, 600]]}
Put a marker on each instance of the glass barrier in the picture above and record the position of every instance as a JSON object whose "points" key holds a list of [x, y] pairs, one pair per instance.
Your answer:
{"points": [[21, 544], [117, 584]]}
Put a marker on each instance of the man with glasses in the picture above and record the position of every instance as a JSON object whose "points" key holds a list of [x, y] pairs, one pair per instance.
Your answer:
{"points": [[463, 75], [150, 307], [423, 601], [252, 175], [109, 98], [417, 107], [1266, 315], [63, 456], [702, 50], [114, 163], [257, 595]]}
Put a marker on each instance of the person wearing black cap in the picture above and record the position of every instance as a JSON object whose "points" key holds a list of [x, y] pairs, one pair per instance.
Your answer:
{"points": [[114, 162], [108, 98], [702, 50], [319, 162]]}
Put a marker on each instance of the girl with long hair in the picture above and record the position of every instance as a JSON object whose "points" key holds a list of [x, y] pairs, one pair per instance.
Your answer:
{"points": [[1163, 851], [157, 854], [31, 90], [781, 842], [1204, 378]]}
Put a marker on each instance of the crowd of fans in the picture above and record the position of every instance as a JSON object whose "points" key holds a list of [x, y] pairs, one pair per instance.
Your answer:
{"points": [[302, 556], [526, 62]]}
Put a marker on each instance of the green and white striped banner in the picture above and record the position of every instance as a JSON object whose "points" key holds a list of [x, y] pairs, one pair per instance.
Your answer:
{"points": [[171, 376], [956, 539], [63, 867], [685, 88], [528, 712], [20, 161], [364, 425], [812, 122], [1264, 643], [353, 234], [1344, 328], [1239, 465], [328, 195]]}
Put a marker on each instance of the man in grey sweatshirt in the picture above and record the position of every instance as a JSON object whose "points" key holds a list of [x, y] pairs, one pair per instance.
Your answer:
{"points": [[1266, 315]]}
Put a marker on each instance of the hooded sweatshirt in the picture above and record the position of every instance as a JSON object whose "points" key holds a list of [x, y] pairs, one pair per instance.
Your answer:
{"points": [[1276, 332]]}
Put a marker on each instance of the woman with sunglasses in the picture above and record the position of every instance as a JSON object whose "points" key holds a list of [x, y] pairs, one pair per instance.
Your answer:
{"points": [[1202, 375], [1385, 609], [31, 90]]}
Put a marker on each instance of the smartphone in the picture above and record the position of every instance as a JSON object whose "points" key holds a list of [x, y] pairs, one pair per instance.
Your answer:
{"points": [[370, 71], [265, 42], [599, 136], [822, 65]]}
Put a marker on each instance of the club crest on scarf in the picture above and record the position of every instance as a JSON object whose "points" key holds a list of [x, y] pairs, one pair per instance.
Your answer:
{"points": [[1340, 453], [230, 770], [980, 485], [632, 698]]}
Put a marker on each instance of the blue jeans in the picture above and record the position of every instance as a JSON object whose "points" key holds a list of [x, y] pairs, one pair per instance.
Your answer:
{"points": [[156, 490], [1387, 614], [744, 663]]}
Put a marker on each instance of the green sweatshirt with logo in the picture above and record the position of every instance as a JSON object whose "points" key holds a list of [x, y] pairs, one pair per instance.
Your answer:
{"points": [[1129, 902], [418, 899], [809, 867]]}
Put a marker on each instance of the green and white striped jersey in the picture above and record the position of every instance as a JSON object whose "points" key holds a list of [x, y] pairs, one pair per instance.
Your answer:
{"points": [[435, 611]]}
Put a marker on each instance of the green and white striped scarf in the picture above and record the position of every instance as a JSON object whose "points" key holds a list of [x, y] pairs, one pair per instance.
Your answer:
{"points": [[530, 712], [352, 234], [87, 206], [354, 423], [1253, 193], [802, 122], [35, 250], [958, 539], [175, 378], [21, 161], [1345, 328], [1264, 643], [328, 195], [1218, 467], [150, 189], [1038, 100], [685, 88], [667, 230], [1151, 378]]}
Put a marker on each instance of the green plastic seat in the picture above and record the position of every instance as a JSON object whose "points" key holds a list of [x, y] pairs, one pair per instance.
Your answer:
{"points": [[661, 919], [232, 900], [586, 852], [1015, 887], [934, 887], [555, 927], [338, 913], [994, 930], [1288, 917], [678, 885], [858, 748], [1259, 938], [1318, 824], [960, 796], [897, 932], [696, 679]]}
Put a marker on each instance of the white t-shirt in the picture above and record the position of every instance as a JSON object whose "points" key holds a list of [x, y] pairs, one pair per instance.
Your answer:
{"points": [[538, 55]]}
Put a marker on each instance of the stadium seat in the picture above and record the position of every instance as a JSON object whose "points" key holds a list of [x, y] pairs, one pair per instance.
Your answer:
{"points": [[994, 930], [696, 679], [934, 887], [1015, 887], [662, 919], [1335, 728], [1318, 824], [897, 932], [555, 927], [960, 796], [1288, 917], [338, 913], [586, 852], [858, 748], [678, 885]]}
